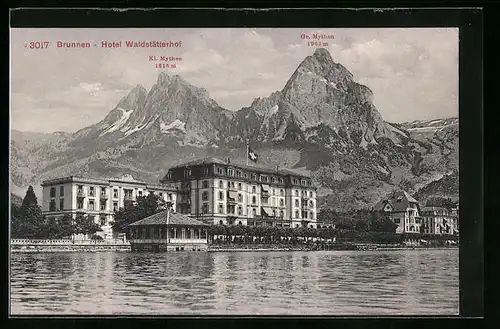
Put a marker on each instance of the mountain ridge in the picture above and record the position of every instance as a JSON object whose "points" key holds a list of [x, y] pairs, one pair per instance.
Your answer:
{"points": [[321, 121]]}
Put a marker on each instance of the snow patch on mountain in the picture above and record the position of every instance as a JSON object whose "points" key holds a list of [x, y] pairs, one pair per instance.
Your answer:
{"points": [[268, 113], [119, 123], [177, 124], [396, 130]]}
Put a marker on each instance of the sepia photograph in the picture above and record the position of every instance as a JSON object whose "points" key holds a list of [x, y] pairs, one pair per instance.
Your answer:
{"points": [[234, 171]]}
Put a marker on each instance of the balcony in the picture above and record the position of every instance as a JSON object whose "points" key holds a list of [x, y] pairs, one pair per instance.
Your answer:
{"points": [[305, 198], [233, 189], [103, 197], [231, 201], [80, 194], [128, 197], [264, 194]]}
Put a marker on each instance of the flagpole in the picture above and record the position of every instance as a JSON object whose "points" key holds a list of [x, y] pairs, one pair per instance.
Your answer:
{"points": [[246, 155]]}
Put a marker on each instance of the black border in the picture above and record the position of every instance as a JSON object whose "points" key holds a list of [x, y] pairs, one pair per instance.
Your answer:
{"points": [[471, 105]]}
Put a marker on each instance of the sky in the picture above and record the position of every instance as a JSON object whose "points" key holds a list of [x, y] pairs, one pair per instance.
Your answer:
{"points": [[413, 72]]}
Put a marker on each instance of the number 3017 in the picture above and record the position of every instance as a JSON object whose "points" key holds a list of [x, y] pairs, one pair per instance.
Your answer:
{"points": [[39, 45]]}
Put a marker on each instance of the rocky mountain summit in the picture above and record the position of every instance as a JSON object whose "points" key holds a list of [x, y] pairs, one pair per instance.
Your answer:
{"points": [[321, 122]]}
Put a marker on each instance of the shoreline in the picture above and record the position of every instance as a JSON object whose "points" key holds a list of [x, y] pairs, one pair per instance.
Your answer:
{"points": [[127, 248]]}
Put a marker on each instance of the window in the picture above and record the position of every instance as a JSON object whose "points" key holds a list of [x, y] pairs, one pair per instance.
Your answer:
{"points": [[297, 203], [205, 184], [204, 196], [238, 173], [267, 179], [91, 204], [61, 190], [296, 225], [230, 172], [61, 204], [304, 214], [52, 205], [262, 178], [254, 200], [79, 189], [103, 191], [160, 194], [311, 194], [91, 191], [205, 171], [311, 215], [254, 176], [103, 206], [281, 181], [221, 208], [311, 204], [169, 175], [115, 193], [239, 186], [221, 171], [140, 193], [282, 192], [221, 184], [282, 214], [204, 208], [296, 192], [296, 214], [103, 220], [79, 204], [115, 206], [254, 212], [253, 189], [274, 179], [240, 210], [232, 184], [221, 196], [221, 223], [52, 192], [240, 197], [282, 202], [304, 182]]}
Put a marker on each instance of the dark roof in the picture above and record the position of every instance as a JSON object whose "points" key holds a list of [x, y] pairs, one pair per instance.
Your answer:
{"points": [[431, 209], [174, 219], [399, 200], [238, 164]]}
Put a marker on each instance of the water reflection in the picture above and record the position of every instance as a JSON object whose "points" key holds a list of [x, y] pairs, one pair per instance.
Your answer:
{"points": [[328, 283]]}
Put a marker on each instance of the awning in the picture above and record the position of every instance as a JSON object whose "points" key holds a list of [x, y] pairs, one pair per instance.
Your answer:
{"points": [[265, 187], [268, 211], [233, 194]]}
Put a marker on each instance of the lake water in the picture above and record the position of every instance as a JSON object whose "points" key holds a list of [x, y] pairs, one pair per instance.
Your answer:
{"points": [[398, 282]]}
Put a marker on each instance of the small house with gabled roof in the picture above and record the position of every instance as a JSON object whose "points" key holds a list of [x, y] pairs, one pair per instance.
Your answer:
{"points": [[403, 209]]}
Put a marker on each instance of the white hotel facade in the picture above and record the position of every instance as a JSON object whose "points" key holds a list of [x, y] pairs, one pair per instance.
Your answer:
{"points": [[96, 198]]}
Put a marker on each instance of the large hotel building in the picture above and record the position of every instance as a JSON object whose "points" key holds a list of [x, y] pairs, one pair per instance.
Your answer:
{"points": [[96, 198], [211, 190]]}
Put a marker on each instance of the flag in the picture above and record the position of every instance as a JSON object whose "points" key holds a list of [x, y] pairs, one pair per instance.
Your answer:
{"points": [[252, 155]]}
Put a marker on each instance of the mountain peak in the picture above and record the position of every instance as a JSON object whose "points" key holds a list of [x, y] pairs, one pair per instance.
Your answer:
{"points": [[322, 54], [134, 98]]}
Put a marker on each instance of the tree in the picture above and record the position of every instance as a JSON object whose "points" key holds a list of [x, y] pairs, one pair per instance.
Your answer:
{"points": [[143, 207], [379, 222], [85, 225], [66, 225], [27, 221]]}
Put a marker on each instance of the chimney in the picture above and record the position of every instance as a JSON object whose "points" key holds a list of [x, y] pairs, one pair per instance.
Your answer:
{"points": [[228, 160]]}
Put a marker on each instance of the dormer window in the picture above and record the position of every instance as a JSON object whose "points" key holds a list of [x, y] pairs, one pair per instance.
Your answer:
{"points": [[169, 175], [187, 173], [205, 171], [230, 172]]}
